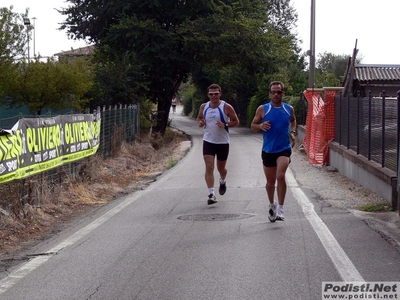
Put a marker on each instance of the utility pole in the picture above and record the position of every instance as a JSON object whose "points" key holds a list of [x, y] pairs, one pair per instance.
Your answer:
{"points": [[311, 52]]}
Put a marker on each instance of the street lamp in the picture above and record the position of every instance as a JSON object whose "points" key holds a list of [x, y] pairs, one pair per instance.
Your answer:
{"points": [[27, 23], [34, 36]]}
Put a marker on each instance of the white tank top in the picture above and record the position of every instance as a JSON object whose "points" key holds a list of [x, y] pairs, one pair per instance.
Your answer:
{"points": [[213, 133]]}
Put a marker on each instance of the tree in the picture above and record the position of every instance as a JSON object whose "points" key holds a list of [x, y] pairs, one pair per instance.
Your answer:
{"points": [[162, 42], [272, 53], [13, 35], [52, 84], [331, 69], [13, 39], [116, 78]]}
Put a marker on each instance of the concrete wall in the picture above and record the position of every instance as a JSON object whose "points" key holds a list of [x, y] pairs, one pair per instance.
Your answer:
{"points": [[368, 174]]}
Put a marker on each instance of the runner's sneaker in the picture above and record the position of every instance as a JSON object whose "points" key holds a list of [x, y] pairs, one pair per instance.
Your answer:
{"points": [[272, 212], [222, 188], [280, 217], [279, 214], [211, 199]]}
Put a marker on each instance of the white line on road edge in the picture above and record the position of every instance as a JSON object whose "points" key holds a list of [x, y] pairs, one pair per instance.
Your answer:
{"points": [[341, 261], [28, 267], [343, 264]]}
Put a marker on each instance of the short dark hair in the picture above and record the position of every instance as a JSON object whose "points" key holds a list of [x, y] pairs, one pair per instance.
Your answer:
{"points": [[277, 83], [214, 86]]}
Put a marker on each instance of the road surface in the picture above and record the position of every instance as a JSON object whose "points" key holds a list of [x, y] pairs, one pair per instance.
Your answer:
{"points": [[165, 242]]}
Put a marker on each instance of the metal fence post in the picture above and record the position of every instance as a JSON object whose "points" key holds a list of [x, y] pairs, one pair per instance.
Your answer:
{"points": [[348, 121], [103, 132], [303, 112], [383, 161], [358, 122], [369, 122], [137, 120], [398, 148], [338, 120]]}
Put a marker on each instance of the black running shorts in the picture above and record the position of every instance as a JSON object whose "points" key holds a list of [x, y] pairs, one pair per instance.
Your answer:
{"points": [[219, 150], [269, 159]]}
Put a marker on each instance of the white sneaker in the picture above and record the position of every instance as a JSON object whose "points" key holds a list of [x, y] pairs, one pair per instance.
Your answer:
{"points": [[279, 216], [272, 212], [211, 199]]}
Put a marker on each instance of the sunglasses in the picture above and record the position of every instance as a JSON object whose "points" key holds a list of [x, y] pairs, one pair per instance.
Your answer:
{"points": [[213, 94], [276, 92]]}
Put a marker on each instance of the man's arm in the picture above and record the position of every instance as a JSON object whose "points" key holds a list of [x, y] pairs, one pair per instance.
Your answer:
{"points": [[293, 123], [230, 111], [293, 128], [200, 117], [256, 123]]}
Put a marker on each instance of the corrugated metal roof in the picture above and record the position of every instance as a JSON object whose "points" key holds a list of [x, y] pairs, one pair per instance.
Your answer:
{"points": [[377, 72], [84, 51]]}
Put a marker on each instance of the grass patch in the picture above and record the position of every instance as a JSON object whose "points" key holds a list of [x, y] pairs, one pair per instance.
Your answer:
{"points": [[31, 208], [171, 162], [375, 207]]}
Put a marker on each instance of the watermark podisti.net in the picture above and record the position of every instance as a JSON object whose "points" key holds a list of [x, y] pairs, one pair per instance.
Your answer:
{"points": [[361, 290]]}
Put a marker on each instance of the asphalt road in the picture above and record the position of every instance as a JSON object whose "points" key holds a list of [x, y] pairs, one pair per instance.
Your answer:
{"points": [[165, 242]]}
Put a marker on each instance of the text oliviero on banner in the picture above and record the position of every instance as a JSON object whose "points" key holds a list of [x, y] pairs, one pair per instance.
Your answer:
{"points": [[35, 145]]}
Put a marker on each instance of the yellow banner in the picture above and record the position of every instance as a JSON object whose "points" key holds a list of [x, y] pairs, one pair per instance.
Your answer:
{"points": [[35, 145]]}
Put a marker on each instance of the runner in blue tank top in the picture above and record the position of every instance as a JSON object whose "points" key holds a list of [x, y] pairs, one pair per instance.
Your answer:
{"points": [[278, 122]]}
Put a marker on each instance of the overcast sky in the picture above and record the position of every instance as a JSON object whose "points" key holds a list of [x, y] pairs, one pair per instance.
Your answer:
{"points": [[49, 40], [374, 24], [339, 24]]}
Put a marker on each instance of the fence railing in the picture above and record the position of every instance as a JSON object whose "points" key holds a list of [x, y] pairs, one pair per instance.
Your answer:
{"points": [[369, 126], [301, 110], [118, 124]]}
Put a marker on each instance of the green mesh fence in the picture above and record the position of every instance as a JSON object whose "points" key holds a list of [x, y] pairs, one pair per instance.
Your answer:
{"points": [[118, 124]]}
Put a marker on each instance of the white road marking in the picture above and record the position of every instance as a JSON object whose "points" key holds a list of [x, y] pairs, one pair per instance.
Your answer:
{"points": [[7, 282], [341, 261]]}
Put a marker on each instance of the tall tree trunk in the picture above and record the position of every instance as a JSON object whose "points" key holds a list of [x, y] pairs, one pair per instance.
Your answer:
{"points": [[163, 108]]}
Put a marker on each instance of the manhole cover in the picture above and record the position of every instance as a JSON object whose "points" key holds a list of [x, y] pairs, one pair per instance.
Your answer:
{"points": [[214, 217]]}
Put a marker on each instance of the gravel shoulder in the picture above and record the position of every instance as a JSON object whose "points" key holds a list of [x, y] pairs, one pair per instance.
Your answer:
{"points": [[328, 186], [339, 191]]}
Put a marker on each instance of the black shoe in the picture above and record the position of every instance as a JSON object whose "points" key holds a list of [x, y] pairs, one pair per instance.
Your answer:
{"points": [[272, 212], [222, 188], [211, 199]]}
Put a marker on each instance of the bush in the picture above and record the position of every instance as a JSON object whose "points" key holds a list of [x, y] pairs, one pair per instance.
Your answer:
{"points": [[146, 108], [159, 141]]}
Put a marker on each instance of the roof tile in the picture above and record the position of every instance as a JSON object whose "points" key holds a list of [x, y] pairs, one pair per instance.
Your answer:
{"points": [[377, 72]]}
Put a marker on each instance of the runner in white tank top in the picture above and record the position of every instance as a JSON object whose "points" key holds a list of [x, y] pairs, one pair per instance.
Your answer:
{"points": [[216, 116], [213, 133]]}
